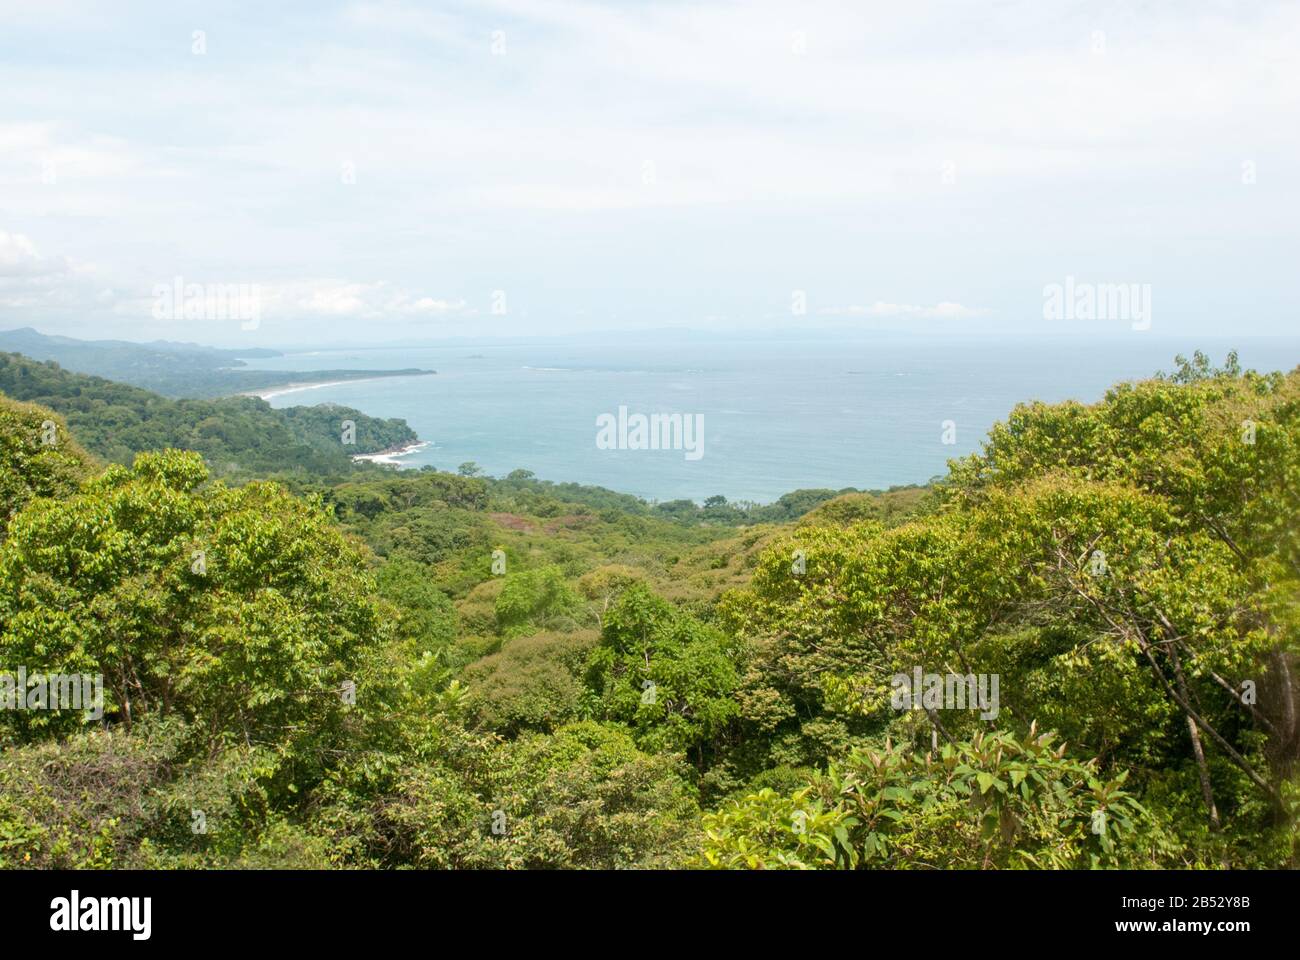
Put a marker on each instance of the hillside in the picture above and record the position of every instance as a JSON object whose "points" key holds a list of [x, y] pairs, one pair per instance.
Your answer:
{"points": [[433, 670], [169, 368], [237, 436]]}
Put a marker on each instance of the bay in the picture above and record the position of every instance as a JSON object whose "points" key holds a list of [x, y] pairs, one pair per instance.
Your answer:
{"points": [[778, 414]]}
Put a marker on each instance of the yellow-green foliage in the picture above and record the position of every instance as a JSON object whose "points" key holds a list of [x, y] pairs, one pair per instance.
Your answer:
{"points": [[37, 457], [1128, 570]]}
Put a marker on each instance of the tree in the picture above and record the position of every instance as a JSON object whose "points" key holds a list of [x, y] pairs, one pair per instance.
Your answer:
{"points": [[427, 618], [1121, 567], [243, 611], [37, 457], [995, 801], [236, 435], [533, 683], [666, 675], [534, 598]]}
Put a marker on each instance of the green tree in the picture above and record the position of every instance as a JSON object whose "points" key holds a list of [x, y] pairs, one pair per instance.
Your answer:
{"points": [[995, 801], [535, 598], [426, 616], [666, 675], [244, 611], [37, 457]]}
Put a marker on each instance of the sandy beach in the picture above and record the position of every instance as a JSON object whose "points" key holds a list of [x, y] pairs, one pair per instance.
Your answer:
{"points": [[266, 393], [392, 456]]}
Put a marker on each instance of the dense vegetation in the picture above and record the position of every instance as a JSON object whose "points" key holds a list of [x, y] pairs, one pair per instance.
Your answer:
{"points": [[237, 436], [429, 669], [172, 369]]}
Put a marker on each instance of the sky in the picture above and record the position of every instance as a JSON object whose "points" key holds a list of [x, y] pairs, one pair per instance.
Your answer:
{"points": [[385, 171]]}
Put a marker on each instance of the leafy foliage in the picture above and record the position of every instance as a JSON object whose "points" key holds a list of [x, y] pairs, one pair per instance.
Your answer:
{"points": [[243, 611], [37, 457], [237, 436], [994, 801], [660, 685]]}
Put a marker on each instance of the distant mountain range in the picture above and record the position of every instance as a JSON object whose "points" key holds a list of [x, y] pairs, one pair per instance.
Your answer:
{"points": [[171, 368]]}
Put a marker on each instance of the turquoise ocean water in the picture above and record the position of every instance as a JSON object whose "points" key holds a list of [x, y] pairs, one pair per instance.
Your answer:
{"points": [[778, 414]]}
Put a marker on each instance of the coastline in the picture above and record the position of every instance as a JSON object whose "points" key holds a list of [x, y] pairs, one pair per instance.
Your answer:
{"points": [[297, 386], [392, 454]]}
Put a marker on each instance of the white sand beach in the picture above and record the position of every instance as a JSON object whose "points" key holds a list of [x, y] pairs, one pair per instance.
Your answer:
{"points": [[392, 456], [267, 394]]}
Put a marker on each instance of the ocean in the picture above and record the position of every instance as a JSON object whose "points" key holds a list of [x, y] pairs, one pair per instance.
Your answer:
{"points": [[777, 415]]}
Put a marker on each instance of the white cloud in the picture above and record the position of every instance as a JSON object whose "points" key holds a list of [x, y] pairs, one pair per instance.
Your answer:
{"points": [[350, 300], [768, 160], [19, 258], [34, 154], [34, 287], [31, 281]]}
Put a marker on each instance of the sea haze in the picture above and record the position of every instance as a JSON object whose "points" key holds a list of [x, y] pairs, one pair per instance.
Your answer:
{"points": [[778, 414]]}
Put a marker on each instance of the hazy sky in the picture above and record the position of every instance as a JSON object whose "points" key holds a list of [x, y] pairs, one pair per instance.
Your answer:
{"points": [[385, 170]]}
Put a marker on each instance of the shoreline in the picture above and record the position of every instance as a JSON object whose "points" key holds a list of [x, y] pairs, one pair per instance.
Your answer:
{"points": [[392, 454], [298, 386]]}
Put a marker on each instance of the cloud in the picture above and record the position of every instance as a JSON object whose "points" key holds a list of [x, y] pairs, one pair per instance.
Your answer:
{"points": [[31, 281], [41, 286], [47, 171], [342, 299], [19, 258], [656, 159]]}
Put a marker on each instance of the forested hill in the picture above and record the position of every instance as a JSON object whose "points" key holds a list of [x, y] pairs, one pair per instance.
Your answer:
{"points": [[237, 436], [170, 368], [421, 669]]}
